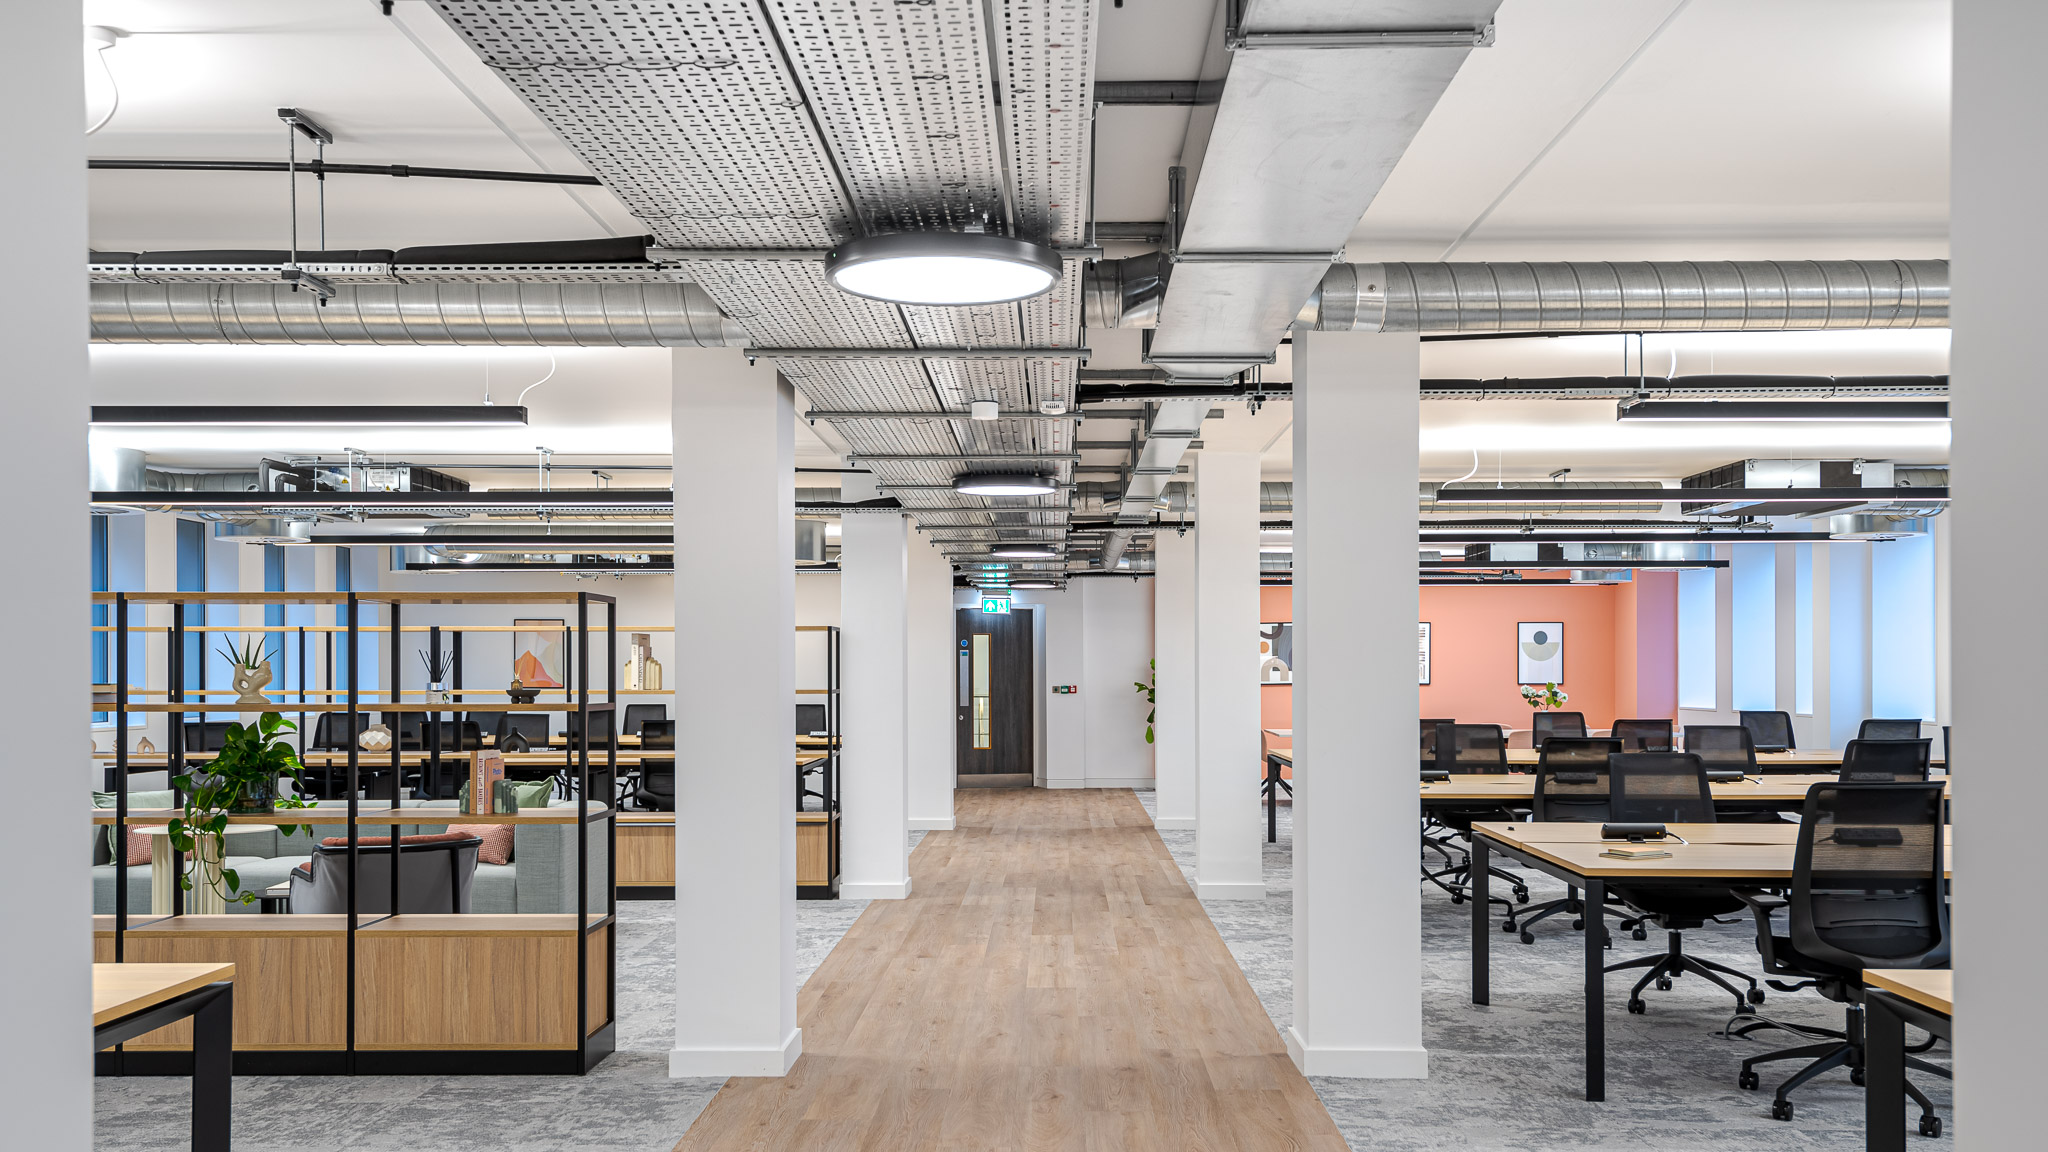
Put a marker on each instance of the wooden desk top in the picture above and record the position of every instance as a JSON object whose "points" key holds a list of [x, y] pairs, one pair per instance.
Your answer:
{"points": [[1818, 758], [1928, 987], [1703, 857], [124, 989]]}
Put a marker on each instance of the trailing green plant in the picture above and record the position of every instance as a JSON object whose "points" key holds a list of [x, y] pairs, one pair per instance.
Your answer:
{"points": [[1146, 688], [243, 777], [250, 655]]}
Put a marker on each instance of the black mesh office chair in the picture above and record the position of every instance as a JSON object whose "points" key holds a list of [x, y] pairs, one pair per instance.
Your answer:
{"points": [[1571, 786], [1670, 788], [1770, 731], [1435, 837], [1544, 725], [638, 714], [206, 736], [1643, 735], [408, 728], [600, 728], [1472, 750], [425, 884], [1429, 728], [1728, 748], [1886, 761], [331, 731], [655, 784], [1868, 891], [1888, 730]]}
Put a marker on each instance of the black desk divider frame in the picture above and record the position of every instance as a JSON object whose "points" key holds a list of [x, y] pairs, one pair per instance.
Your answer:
{"points": [[591, 1047]]}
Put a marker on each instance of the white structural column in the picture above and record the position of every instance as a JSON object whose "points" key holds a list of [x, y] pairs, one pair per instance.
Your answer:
{"points": [[1173, 652], [874, 714], [46, 1075], [1999, 240], [734, 677], [1229, 830], [931, 673], [1357, 956]]}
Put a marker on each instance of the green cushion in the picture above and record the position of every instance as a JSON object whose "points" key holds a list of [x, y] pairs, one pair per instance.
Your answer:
{"points": [[531, 793], [163, 799]]}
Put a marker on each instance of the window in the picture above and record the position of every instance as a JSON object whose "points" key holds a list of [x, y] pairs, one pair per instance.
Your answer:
{"points": [[101, 674], [1696, 638], [1802, 630], [1902, 627], [1753, 626], [344, 581], [273, 614], [192, 578]]}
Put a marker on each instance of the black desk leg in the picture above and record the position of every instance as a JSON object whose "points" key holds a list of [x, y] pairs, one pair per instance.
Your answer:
{"points": [[1272, 800], [1596, 990], [213, 1028], [1884, 1072], [1477, 890]]}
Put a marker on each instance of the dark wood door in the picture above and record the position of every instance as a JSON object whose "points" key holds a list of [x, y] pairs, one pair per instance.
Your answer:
{"points": [[995, 694]]}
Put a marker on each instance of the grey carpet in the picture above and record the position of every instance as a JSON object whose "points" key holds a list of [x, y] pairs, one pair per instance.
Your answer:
{"points": [[1510, 1075]]}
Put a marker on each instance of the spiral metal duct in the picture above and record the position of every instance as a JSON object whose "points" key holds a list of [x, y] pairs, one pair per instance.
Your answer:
{"points": [[631, 315], [1662, 296]]}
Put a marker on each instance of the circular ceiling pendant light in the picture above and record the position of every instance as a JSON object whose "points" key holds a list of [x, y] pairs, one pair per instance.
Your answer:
{"points": [[1023, 551], [1003, 484], [943, 268]]}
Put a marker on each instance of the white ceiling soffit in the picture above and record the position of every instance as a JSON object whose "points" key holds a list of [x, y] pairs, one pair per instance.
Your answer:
{"points": [[1302, 141], [744, 125]]}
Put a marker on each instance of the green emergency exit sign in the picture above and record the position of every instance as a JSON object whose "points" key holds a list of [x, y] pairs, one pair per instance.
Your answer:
{"points": [[998, 605]]}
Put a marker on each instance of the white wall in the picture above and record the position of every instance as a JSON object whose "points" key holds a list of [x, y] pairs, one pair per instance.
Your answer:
{"points": [[1096, 634]]}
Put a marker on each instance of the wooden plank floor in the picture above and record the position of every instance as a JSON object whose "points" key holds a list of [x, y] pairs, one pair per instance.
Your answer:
{"points": [[1051, 984]]}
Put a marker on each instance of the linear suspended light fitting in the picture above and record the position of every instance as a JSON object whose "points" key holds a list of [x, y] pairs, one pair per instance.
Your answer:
{"points": [[1004, 484], [1023, 551], [943, 268], [290, 415], [1807, 410]]}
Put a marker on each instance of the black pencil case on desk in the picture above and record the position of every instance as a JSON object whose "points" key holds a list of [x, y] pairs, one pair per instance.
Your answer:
{"points": [[1632, 832]]}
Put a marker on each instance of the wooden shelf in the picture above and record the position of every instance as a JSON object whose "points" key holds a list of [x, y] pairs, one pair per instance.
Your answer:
{"points": [[371, 598], [293, 817], [362, 706], [482, 924]]}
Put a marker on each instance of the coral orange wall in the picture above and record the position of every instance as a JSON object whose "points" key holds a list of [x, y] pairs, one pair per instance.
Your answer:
{"points": [[1276, 701], [1472, 650]]}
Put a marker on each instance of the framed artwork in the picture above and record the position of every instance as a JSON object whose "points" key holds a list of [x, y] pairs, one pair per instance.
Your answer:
{"points": [[1539, 653], [1422, 644], [539, 652], [1276, 653]]}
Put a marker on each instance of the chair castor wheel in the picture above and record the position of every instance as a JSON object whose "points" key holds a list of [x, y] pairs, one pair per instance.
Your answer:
{"points": [[1636, 1007], [1663, 983], [1579, 924], [1748, 1081], [1457, 898], [1930, 1125], [1639, 934], [1528, 937], [1856, 1077], [1521, 894], [1508, 926], [1781, 1109], [1756, 995]]}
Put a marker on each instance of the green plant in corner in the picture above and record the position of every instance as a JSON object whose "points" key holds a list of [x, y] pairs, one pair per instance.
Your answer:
{"points": [[242, 778], [1146, 689]]}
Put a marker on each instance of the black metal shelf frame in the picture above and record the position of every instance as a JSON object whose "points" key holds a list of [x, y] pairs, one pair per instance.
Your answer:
{"points": [[590, 1048]]}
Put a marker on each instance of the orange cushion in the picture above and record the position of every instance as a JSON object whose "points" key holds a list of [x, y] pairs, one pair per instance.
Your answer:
{"points": [[497, 843], [138, 847]]}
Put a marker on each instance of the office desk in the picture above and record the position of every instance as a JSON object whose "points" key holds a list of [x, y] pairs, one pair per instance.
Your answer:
{"points": [[129, 1000], [1785, 791], [1892, 999], [1741, 856]]}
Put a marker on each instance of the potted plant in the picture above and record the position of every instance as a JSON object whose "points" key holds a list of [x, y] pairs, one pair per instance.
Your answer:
{"points": [[251, 673], [1146, 688], [242, 778], [1544, 699]]}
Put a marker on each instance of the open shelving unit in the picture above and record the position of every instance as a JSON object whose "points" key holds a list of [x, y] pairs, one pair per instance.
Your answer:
{"points": [[817, 832], [381, 993]]}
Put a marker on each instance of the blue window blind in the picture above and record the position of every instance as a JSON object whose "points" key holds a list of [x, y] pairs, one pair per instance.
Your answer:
{"points": [[1802, 631], [1754, 626], [273, 614], [1902, 627], [1696, 638], [100, 672], [192, 578]]}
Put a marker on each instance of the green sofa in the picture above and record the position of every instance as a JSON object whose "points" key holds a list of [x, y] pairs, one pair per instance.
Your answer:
{"points": [[541, 876]]}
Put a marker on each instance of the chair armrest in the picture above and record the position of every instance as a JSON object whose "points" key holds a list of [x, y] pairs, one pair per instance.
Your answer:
{"points": [[1763, 904]]}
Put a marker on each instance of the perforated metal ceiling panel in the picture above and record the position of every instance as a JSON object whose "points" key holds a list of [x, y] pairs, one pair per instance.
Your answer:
{"points": [[752, 124]]}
